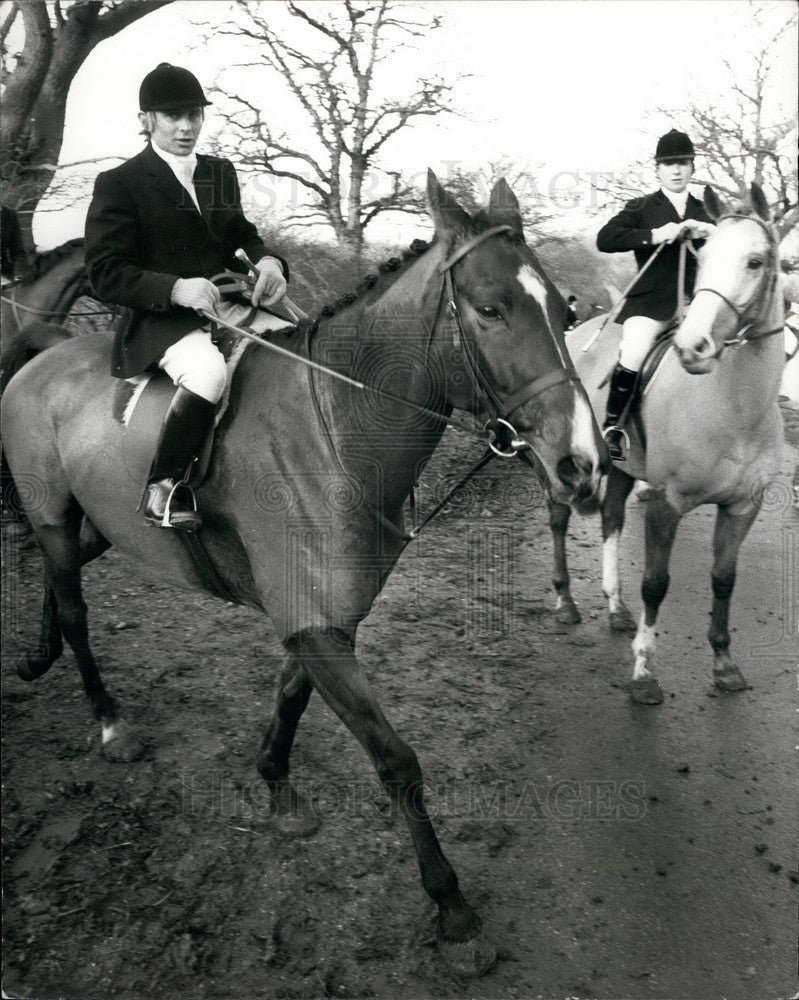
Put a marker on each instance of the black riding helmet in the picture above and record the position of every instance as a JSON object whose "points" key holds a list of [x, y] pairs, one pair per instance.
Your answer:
{"points": [[170, 88], [674, 145]]}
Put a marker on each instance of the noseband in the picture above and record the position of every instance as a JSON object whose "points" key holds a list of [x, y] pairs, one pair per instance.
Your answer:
{"points": [[762, 296], [502, 437]]}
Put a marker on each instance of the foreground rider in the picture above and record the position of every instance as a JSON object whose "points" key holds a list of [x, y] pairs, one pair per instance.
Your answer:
{"points": [[666, 216], [159, 226]]}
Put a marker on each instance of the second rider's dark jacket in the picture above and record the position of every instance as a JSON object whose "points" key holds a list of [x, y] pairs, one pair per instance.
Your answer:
{"points": [[143, 232], [655, 293]]}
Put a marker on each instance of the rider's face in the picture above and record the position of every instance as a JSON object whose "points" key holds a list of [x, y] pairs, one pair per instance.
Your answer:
{"points": [[674, 176], [175, 132]]}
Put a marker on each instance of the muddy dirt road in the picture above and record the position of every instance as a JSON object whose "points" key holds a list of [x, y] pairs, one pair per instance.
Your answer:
{"points": [[616, 851]]}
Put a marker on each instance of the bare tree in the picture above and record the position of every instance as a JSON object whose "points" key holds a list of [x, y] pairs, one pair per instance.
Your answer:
{"points": [[472, 188], [56, 38], [740, 131], [335, 71], [745, 141]]}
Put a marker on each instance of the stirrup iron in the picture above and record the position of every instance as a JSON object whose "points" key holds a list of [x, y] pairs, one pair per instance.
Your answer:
{"points": [[619, 450], [191, 519]]}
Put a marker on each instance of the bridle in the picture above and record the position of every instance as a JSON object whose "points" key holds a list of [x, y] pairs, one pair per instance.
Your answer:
{"points": [[501, 435], [761, 298]]}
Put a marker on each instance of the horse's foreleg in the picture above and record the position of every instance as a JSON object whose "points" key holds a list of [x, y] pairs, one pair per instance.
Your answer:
{"points": [[728, 535], [613, 508], [565, 609], [63, 552], [661, 527], [291, 813], [330, 663]]}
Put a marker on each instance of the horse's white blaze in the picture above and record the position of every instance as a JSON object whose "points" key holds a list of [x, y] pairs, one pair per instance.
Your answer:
{"points": [[644, 649], [109, 732], [583, 429], [610, 572], [533, 285]]}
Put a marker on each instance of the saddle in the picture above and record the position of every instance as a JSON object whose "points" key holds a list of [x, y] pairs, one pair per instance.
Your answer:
{"points": [[141, 405], [630, 418]]}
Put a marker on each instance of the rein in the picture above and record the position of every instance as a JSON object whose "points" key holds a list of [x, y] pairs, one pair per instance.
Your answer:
{"points": [[765, 290], [50, 313]]}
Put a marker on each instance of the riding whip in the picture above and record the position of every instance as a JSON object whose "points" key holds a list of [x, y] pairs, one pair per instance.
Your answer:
{"points": [[617, 308], [296, 315]]}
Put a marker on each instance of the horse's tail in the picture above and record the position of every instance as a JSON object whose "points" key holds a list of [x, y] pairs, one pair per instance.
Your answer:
{"points": [[34, 338]]}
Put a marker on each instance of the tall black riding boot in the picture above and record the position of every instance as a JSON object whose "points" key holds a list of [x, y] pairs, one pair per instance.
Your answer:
{"points": [[169, 503], [622, 382]]}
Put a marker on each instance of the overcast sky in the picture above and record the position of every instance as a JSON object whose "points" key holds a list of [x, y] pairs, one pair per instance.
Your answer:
{"points": [[564, 86]]}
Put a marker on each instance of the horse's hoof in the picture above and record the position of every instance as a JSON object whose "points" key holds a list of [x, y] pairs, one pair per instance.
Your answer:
{"points": [[33, 667], [646, 691], [120, 744], [292, 815], [729, 680], [467, 959], [303, 824], [567, 614], [622, 621]]}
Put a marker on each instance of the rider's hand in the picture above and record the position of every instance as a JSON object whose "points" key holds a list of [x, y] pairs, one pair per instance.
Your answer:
{"points": [[270, 285], [695, 229], [668, 233], [196, 293]]}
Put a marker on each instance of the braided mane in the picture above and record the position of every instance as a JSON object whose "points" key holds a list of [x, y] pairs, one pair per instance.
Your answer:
{"points": [[373, 285]]}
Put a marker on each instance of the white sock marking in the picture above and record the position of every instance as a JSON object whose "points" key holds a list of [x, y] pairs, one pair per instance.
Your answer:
{"points": [[644, 649], [610, 572]]}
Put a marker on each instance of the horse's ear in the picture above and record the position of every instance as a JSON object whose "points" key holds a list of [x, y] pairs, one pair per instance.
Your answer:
{"points": [[713, 205], [503, 208], [759, 203], [447, 215]]}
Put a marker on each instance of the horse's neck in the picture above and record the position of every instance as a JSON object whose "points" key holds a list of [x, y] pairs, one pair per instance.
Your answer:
{"points": [[386, 343], [54, 292]]}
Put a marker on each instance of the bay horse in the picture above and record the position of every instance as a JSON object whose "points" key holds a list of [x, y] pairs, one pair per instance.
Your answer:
{"points": [[712, 428], [302, 506], [34, 304]]}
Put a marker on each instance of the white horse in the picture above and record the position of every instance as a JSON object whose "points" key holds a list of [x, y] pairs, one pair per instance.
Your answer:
{"points": [[712, 432]]}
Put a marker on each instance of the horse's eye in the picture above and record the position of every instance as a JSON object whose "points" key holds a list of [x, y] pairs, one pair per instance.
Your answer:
{"points": [[489, 312], [754, 264]]}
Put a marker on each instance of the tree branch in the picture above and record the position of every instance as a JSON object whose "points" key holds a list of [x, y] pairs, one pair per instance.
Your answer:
{"points": [[8, 21], [112, 21]]}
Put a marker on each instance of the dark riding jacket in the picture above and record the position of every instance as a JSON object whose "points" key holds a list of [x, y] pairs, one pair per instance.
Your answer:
{"points": [[143, 232], [655, 293]]}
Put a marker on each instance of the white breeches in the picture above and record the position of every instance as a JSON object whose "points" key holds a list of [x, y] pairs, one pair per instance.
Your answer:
{"points": [[637, 336], [196, 364]]}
